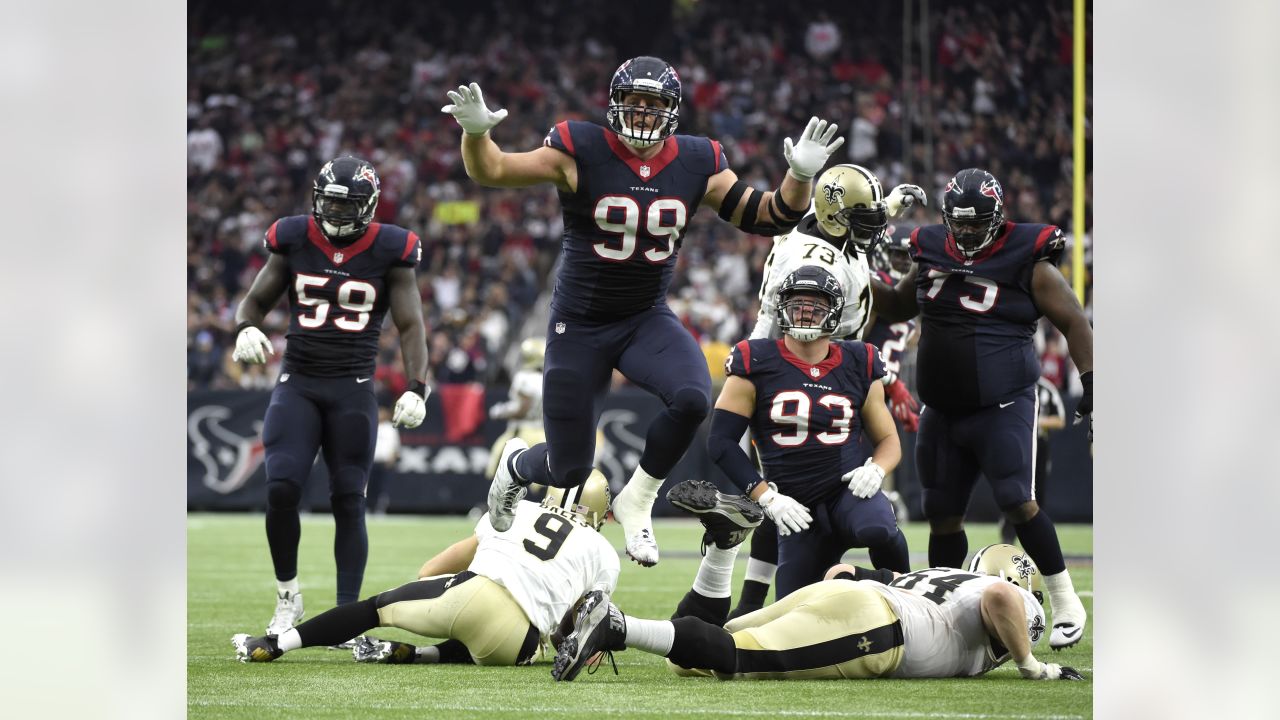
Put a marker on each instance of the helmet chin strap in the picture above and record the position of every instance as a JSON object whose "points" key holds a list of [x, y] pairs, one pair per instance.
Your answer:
{"points": [[336, 231]]}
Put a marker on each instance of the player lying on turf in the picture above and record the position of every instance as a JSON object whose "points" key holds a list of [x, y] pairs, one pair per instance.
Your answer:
{"points": [[858, 623], [517, 586]]}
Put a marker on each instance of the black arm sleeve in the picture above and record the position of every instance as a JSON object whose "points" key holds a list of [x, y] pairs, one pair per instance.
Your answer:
{"points": [[722, 445]]}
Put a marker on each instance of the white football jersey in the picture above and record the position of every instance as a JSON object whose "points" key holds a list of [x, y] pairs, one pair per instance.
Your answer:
{"points": [[527, 383], [942, 623], [797, 249], [547, 560]]}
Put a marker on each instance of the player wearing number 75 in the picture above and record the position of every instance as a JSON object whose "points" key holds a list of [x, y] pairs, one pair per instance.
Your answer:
{"points": [[980, 283], [628, 190], [496, 596], [342, 272]]}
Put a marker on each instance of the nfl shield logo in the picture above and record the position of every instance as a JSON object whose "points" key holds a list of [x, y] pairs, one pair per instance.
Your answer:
{"points": [[644, 171], [337, 258], [559, 328], [814, 371]]}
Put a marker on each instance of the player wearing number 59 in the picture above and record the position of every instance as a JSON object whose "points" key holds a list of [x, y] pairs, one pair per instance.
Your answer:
{"points": [[980, 283], [628, 190], [342, 272]]}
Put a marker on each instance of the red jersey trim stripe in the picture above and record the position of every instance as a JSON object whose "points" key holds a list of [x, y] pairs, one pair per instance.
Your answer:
{"points": [[408, 245], [271, 236], [318, 239], [715, 156], [745, 348], [832, 361], [871, 351], [652, 166], [1043, 236]]}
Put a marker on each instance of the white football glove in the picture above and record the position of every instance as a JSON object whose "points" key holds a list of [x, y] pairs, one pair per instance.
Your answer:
{"points": [[410, 409], [903, 197], [252, 347], [807, 157], [469, 110], [785, 511], [1049, 671], [865, 481]]}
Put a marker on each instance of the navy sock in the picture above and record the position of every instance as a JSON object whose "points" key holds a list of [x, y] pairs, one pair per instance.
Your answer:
{"points": [[753, 593], [1040, 540], [948, 550], [530, 466], [284, 530], [350, 546], [712, 610], [893, 554]]}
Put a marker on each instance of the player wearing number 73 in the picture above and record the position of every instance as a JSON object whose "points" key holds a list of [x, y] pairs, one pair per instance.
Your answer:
{"points": [[342, 272], [980, 284], [628, 190]]}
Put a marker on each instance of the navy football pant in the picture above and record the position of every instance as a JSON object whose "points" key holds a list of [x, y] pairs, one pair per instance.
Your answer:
{"points": [[654, 351], [843, 522], [338, 417]]}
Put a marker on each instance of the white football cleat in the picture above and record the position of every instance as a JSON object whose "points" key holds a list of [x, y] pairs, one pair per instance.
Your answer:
{"points": [[1068, 621], [504, 492], [637, 526], [288, 612]]}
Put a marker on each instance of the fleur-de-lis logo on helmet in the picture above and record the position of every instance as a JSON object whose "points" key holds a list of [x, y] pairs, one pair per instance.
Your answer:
{"points": [[833, 192], [1022, 564]]}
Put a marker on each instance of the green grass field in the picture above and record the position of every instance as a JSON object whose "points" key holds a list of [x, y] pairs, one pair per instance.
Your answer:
{"points": [[230, 589]]}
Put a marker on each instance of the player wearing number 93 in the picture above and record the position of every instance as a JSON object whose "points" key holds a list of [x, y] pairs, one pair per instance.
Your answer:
{"points": [[807, 399], [342, 272], [980, 283], [628, 190], [515, 588]]}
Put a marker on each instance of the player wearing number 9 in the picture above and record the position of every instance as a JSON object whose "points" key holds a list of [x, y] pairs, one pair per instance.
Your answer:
{"points": [[342, 272], [807, 399], [494, 595], [980, 283], [628, 190]]}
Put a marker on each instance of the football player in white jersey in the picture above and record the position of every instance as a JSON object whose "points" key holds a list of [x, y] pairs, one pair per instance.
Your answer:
{"points": [[517, 586], [859, 623], [847, 219]]}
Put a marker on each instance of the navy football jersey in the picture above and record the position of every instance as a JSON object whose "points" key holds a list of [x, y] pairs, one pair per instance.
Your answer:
{"points": [[337, 295], [624, 225], [891, 338], [807, 420], [978, 316]]}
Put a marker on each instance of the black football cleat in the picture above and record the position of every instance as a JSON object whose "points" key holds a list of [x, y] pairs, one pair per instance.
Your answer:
{"points": [[598, 627], [729, 519], [255, 649]]}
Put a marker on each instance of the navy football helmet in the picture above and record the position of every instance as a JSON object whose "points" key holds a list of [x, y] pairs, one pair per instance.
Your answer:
{"points": [[344, 196], [641, 127], [973, 210], [805, 317], [893, 256]]}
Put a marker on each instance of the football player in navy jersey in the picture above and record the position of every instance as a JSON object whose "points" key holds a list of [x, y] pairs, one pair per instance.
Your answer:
{"points": [[980, 283], [342, 272], [627, 189], [807, 399]]}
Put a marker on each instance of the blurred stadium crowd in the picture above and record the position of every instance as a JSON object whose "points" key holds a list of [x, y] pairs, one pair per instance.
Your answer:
{"points": [[277, 89]]}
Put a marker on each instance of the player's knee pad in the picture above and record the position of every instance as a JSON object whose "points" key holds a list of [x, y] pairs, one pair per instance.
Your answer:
{"points": [[874, 535], [1021, 512], [348, 480], [283, 495], [284, 466], [690, 405], [347, 505], [699, 644]]}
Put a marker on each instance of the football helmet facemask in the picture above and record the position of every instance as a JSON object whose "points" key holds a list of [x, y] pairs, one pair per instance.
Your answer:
{"points": [[344, 196], [590, 500], [532, 351], [1010, 563], [810, 302], [851, 207], [973, 210], [893, 256], [644, 126]]}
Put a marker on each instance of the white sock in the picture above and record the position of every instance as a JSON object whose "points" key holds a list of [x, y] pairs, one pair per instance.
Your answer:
{"points": [[655, 636], [1059, 586], [715, 574], [289, 640], [760, 571], [643, 487], [428, 654], [289, 586]]}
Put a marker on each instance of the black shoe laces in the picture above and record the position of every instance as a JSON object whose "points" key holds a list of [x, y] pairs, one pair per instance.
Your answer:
{"points": [[599, 660]]}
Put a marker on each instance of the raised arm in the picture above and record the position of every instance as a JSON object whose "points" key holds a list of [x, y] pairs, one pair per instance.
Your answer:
{"points": [[487, 164], [773, 212]]}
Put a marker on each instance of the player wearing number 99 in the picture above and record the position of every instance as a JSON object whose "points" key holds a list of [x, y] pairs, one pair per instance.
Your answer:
{"points": [[515, 588], [980, 283], [342, 272], [628, 190], [807, 399]]}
